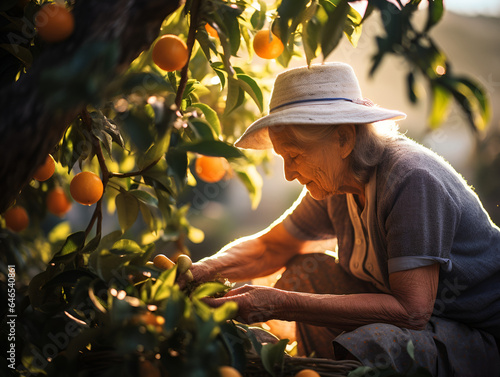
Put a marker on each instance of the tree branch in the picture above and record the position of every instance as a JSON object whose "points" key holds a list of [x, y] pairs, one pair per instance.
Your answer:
{"points": [[29, 127], [193, 25]]}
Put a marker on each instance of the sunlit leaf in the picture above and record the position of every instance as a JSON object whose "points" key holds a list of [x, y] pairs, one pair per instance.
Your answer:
{"points": [[73, 243], [208, 289], [210, 116], [211, 148], [226, 311], [127, 207], [435, 11], [144, 197], [250, 86], [125, 246], [201, 129], [288, 10], [310, 37], [174, 308], [253, 183], [353, 26], [258, 18], [440, 105], [332, 31]]}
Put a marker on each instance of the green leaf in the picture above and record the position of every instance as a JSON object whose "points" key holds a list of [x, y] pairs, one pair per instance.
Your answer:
{"points": [[148, 217], [332, 31], [177, 166], [211, 148], [226, 311], [310, 37], [154, 152], [127, 207], [412, 94], [353, 26], [218, 69], [208, 289], [201, 129], [174, 309], [136, 125], [440, 105], [435, 11], [125, 246], [234, 92], [471, 98], [210, 116], [258, 18], [273, 354], [252, 181], [287, 12], [230, 25], [145, 197], [162, 288], [250, 86], [110, 239], [73, 243]]}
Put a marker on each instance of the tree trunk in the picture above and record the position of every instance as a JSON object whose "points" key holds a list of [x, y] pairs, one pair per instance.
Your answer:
{"points": [[30, 127]]}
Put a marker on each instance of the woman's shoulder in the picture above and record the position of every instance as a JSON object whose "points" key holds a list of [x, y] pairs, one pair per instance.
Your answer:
{"points": [[404, 155], [406, 160]]}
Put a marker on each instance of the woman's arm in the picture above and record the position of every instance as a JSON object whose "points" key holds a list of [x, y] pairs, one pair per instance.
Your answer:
{"points": [[250, 257], [410, 305]]}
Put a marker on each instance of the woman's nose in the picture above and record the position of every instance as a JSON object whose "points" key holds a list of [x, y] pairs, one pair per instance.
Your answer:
{"points": [[290, 172]]}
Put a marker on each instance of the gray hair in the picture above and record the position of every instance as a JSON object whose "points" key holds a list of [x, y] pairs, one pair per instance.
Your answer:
{"points": [[371, 141]]}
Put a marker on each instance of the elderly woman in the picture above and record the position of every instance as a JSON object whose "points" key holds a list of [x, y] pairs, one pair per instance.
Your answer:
{"points": [[418, 256]]}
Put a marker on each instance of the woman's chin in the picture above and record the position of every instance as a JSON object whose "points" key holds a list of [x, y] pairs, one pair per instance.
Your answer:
{"points": [[316, 192]]}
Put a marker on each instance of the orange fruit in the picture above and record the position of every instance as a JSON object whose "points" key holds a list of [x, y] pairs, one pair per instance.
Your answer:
{"points": [[86, 188], [16, 218], [227, 371], [211, 30], [54, 23], [46, 170], [211, 169], [307, 373], [170, 53], [163, 262], [57, 202], [267, 45]]}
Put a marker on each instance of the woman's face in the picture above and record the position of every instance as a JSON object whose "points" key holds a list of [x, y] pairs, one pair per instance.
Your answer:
{"points": [[321, 168]]}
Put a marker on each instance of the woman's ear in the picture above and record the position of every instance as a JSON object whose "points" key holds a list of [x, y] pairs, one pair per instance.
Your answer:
{"points": [[347, 139]]}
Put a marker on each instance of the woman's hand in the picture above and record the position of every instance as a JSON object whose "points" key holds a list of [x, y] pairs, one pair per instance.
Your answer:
{"points": [[255, 303]]}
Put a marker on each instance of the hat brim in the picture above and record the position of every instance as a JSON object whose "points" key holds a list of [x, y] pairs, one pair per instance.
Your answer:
{"points": [[256, 135]]}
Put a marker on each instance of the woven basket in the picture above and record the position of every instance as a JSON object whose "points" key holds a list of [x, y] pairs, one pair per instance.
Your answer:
{"points": [[292, 365]]}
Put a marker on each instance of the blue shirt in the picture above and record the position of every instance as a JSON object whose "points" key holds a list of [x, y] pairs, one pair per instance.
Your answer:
{"points": [[424, 212]]}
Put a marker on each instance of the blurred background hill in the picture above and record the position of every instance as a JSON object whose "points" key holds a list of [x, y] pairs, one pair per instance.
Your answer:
{"points": [[472, 43]]}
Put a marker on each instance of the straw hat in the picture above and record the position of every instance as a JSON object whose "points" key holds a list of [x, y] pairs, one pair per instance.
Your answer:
{"points": [[320, 95]]}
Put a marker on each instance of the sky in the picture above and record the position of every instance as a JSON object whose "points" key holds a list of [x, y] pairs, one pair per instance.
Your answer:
{"points": [[477, 7]]}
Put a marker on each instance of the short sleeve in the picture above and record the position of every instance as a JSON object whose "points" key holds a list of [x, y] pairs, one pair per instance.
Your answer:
{"points": [[422, 222], [309, 219]]}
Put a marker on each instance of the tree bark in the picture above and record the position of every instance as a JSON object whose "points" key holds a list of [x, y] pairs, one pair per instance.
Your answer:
{"points": [[29, 127]]}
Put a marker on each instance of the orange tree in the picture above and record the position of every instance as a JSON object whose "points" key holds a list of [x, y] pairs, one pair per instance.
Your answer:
{"points": [[96, 98]]}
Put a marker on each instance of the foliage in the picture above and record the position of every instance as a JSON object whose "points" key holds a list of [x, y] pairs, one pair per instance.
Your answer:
{"points": [[141, 135]]}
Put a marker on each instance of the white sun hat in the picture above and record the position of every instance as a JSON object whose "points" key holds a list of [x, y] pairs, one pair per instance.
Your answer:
{"points": [[323, 94]]}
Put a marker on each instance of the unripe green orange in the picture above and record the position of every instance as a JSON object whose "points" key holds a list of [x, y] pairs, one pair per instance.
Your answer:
{"points": [[184, 263]]}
